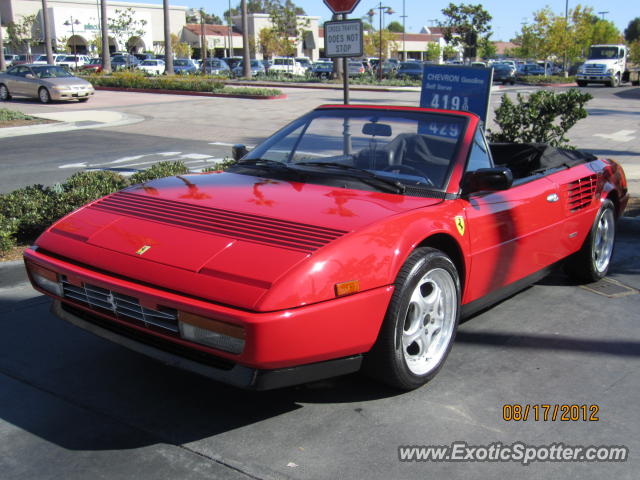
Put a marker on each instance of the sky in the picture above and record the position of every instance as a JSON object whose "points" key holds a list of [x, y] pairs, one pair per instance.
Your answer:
{"points": [[506, 22]]}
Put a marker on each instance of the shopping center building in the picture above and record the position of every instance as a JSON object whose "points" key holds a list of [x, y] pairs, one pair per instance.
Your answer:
{"points": [[76, 24], [75, 27]]}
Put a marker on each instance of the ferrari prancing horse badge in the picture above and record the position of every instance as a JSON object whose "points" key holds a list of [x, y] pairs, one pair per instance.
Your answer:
{"points": [[459, 219]]}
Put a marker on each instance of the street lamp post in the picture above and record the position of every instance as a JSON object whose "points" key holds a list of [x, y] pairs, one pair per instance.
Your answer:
{"points": [[73, 22], [382, 10], [404, 29]]}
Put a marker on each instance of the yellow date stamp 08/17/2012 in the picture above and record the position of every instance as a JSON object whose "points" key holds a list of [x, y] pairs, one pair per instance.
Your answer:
{"points": [[548, 412]]}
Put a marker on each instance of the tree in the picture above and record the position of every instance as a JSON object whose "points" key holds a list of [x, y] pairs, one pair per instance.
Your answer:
{"points": [[486, 48], [634, 52], [106, 55], [466, 25], [632, 32], [124, 26], [168, 50], [433, 52], [23, 34], [47, 33], [3, 64], [395, 27], [180, 49], [264, 6], [372, 44], [246, 63], [450, 52], [209, 19]]}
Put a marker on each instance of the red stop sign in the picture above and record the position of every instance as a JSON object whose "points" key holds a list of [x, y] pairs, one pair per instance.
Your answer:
{"points": [[341, 6]]}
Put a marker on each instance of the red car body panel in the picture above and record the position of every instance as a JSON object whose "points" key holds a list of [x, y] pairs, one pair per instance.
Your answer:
{"points": [[272, 259]]}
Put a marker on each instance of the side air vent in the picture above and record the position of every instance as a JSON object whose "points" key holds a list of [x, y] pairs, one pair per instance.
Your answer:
{"points": [[255, 228], [580, 193]]}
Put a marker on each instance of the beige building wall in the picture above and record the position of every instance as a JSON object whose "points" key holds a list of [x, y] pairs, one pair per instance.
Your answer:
{"points": [[86, 13]]}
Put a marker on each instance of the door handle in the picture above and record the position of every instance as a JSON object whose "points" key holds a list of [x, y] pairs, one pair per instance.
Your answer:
{"points": [[553, 197]]}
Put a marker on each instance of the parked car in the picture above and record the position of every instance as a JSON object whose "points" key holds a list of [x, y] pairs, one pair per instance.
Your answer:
{"points": [[144, 56], [369, 253], [94, 65], [530, 69], [305, 62], [9, 59], [287, 66], [388, 69], [42, 59], [22, 59], [123, 62], [355, 67], [479, 64], [412, 70], [184, 66], [503, 72], [73, 62], [152, 66], [45, 82], [232, 61], [322, 69], [217, 66], [257, 69]]}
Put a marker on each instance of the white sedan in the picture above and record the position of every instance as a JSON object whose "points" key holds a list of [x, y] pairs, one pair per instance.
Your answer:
{"points": [[152, 67]]}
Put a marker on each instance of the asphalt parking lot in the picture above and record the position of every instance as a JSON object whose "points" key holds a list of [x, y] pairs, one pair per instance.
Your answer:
{"points": [[75, 406]]}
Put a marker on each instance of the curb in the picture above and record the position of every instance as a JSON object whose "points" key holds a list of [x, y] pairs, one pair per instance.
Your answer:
{"points": [[574, 84], [191, 93], [12, 273]]}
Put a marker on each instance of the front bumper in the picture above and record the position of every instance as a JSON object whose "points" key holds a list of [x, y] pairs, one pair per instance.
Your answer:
{"points": [[303, 339], [70, 94], [235, 375], [594, 77]]}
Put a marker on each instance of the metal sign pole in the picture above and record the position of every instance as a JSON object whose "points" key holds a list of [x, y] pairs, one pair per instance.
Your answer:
{"points": [[345, 73]]}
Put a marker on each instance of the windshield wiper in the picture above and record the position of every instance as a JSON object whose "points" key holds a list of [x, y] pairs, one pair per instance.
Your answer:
{"points": [[265, 164], [366, 176]]}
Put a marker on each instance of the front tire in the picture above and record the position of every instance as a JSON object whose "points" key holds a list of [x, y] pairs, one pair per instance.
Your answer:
{"points": [[43, 95], [615, 81], [4, 93], [420, 324], [592, 261]]}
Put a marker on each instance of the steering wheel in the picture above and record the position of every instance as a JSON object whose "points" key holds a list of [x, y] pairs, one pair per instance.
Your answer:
{"points": [[410, 170]]}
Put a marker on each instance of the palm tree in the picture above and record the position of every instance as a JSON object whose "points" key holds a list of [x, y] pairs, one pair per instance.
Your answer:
{"points": [[168, 53], [106, 55], [3, 65], [47, 33], [246, 63]]}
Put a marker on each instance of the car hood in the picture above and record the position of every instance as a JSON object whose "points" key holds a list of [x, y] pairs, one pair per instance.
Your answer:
{"points": [[226, 237], [65, 81]]}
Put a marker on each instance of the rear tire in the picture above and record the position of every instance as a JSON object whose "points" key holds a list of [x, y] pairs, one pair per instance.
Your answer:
{"points": [[83, 100], [421, 321], [592, 261], [581, 83], [43, 95], [4, 93]]}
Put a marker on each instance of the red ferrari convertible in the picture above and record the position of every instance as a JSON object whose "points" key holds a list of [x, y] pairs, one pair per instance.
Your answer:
{"points": [[355, 237]]}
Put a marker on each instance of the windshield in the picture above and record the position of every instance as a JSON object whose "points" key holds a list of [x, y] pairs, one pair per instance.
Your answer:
{"points": [[414, 148], [150, 62], [181, 63], [604, 53], [51, 72]]}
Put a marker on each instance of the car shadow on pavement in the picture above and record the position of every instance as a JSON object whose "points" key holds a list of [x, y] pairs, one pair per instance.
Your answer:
{"points": [[630, 93]]}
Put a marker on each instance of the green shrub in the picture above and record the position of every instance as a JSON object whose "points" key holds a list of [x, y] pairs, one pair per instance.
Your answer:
{"points": [[7, 115], [191, 83], [83, 187], [32, 208], [159, 170], [226, 163], [8, 231], [537, 79], [544, 117]]}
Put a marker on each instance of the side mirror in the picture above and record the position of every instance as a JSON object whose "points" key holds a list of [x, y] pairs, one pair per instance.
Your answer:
{"points": [[238, 151], [486, 179], [29, 76]]}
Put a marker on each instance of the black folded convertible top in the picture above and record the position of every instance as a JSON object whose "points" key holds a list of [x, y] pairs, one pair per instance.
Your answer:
{"points": [[525, 159]]}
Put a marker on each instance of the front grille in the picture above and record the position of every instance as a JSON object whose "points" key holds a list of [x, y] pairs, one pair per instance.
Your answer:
{"points": [[581, 192], [150, 339], [244, 226], [122, 306], [595, 69]]}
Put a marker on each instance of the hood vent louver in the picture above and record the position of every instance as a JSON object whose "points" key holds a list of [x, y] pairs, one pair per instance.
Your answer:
{"points": [[580, 193], [242, 226]]}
